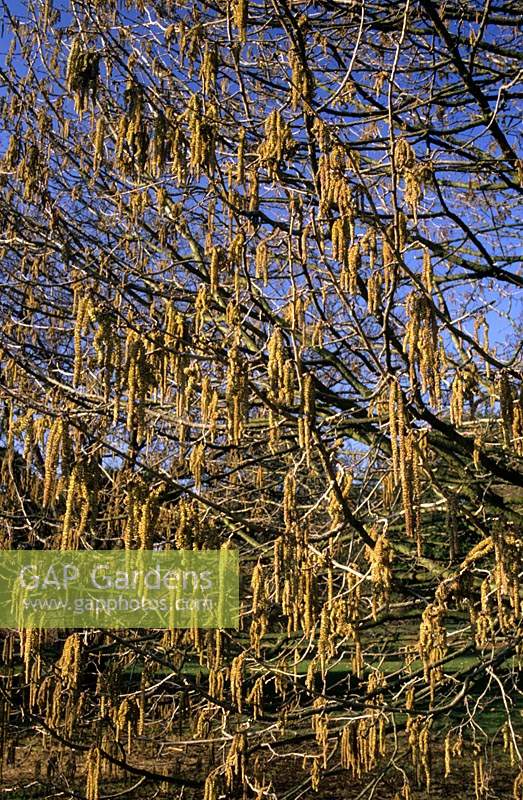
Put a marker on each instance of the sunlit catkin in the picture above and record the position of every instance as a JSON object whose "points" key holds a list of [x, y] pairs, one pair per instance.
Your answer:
{"points": [[209, 67], [51, 458], [81, 73], [236, 680], [275, 364], [402, 452], [380, 557], [240, 158], [428, 274], [93, 764], [98, 144], [298, 78], [240, 12], [83, 314], [457, 399], [393, 427], [214, 270], [262, 262], [432, 643], [149, 514]]}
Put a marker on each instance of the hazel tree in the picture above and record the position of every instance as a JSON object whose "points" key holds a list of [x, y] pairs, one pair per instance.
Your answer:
{"points": [[261, 289]]}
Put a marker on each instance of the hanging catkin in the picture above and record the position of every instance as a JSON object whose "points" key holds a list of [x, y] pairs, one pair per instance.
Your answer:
{"points": [[240, 12], [240, 158], [81, 73], [236, 680], [209, 67], [69, 662], [51, 459], [402, 452], [93, 763], [78, 493], [301, 81], [262, 262], [380, 557], [214, 269], [277, 140], [428, 274], [148, 518], [236, 393], [275, 364], [393, 427], [421, 344], [432, 643], [306, 420], [457, 399]]}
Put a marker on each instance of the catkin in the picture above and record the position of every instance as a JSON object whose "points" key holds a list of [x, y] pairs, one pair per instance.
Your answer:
{"points": [[432, 644], [209, 67], [148, 517], [93, 761], [236, 680], [98, 144], [51, 459], [262, 262], [275, 364], [240, 12], [380, 556], [302, 81], [214, 270], [402, 453]]}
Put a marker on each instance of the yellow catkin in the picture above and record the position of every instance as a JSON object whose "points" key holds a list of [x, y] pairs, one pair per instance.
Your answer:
{"points": [[517, 425], [432, 643], [69, 508], [448, 755], [241, 8], [214, 270], [380, 557], [69, 662], [428, 275], [236, 393], [98, 144], [240, 159], [393, 427], [211, 786], [374, 287], [353, 265], [402, 453], [255, 698], [51, 459], [236, 680], [275, 144], [457, 399], [301, 80], [389, 262], [289, 500], [148, 517], [306, 421], [275, 364], [196, 462], [421, 344], [209, 67], [81, 73], [93, 763]]}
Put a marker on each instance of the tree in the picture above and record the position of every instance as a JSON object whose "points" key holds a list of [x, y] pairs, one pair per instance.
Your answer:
{"points": [[261, 289]]}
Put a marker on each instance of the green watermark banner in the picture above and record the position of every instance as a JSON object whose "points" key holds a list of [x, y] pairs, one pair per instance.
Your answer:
{"points": [[119, 589]]}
